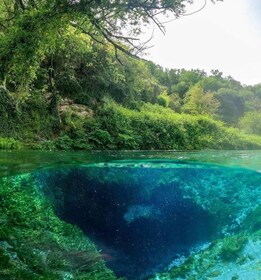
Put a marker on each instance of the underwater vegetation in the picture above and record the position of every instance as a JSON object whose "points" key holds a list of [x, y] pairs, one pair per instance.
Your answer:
{"points": [[147, 214], [137, 224], [133, 219], [233, 257], [36, 244]]}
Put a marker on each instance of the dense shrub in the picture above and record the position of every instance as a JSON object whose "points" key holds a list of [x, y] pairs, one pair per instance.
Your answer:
{"points": [[9, 144], [154, 127]]}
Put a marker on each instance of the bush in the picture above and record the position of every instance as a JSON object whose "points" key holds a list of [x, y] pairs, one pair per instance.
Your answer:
{"points": [[155, 127], [9, 144]]}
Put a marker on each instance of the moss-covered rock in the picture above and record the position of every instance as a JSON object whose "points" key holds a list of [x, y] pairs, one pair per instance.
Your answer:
{"points": [[232, 247], [233, 257]]}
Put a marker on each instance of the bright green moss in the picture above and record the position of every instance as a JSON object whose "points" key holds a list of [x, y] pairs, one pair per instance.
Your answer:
{"points": [[36, 244]]}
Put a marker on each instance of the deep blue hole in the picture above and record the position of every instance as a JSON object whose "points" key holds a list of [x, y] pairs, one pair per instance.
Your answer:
{"points": [[138, 231]]}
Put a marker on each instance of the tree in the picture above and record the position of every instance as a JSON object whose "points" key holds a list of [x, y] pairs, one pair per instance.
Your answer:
{"points": [[191, 77], [175, 102], [232, 105], [212, 83], [164, 99], [31, 30], [115, 21], [199, 102], [252, 97], [250, 123]]}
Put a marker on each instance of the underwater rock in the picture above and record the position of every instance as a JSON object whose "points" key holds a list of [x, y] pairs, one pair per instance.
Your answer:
{"points": [[5, 245], [141, 211], [139, 226], [149, 219], [232, 257]]}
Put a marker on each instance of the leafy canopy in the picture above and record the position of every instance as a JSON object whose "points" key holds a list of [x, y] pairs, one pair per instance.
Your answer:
{"points": [[30, 30]]}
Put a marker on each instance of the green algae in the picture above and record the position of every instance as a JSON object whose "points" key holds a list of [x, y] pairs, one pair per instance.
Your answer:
{"points": [[232, 247], [36, 244], [252, 222]]}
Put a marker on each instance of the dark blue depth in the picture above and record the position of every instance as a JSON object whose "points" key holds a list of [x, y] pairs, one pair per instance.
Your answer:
{"points": [[138, 229]]}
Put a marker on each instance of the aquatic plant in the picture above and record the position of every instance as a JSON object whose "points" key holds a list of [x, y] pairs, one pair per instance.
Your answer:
{"points": [[252, 222], [36, 244], [232, 246]]}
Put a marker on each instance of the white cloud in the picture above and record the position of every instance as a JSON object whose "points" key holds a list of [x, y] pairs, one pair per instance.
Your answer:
{"points": [[224, 36]]}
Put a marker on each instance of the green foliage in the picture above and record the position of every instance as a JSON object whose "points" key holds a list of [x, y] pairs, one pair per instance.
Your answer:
{"points": [[54, 52], [36, 244], [212, 83], [153, 127], [164, 99], [23, 47], [231, 105], [9, 144], [191, 77], [30, 34], [75, 139], [252, 97], [150, 127], [199, 102], [175, 102], [250, 123]]}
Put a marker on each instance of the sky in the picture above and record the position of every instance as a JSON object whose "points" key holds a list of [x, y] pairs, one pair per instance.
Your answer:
{"points": [[225, 36]]}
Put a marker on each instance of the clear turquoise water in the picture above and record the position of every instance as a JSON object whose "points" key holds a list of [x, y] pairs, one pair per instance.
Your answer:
{"points": [[22, 161], [146, 209]]}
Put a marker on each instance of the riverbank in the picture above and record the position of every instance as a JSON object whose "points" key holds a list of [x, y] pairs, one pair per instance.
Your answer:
{"points": [[114, 127]]}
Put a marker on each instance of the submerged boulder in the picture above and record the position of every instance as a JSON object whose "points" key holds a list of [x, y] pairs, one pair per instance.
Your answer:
{"points": [[141, 211]]}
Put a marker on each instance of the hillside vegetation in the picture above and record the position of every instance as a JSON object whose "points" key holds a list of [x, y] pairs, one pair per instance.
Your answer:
{"points": [[69, 82]]}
